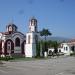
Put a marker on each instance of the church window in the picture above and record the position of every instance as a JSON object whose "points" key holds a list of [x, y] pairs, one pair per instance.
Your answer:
{"points": [[8, 45], [73, 48], [32, 21], [10, 28], [66, 48], [59, 50], [17, 42], [29, 39]]}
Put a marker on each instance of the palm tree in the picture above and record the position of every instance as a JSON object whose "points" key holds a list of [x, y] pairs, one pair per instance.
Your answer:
{"points": [[45, 33]]}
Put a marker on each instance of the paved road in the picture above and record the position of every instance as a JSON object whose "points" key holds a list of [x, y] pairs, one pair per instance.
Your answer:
{"points": [[58, 66]]}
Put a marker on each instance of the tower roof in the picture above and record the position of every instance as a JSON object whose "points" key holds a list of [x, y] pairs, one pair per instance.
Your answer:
{"points": [[33, 18], [11, 24]]}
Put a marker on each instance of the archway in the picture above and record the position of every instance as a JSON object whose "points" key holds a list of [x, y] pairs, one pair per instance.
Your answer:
{"points": [[73, 48], [22, 47], [0, 46], [8, 46], [17, 42]]}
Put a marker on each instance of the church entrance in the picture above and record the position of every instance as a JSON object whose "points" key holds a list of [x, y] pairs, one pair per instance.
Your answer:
{"points": [[1, 47], [73, 48], [22, 47], [9, 47]]}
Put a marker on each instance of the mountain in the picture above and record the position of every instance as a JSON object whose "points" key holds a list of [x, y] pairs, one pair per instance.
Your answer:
{"points": [[57, 38]]}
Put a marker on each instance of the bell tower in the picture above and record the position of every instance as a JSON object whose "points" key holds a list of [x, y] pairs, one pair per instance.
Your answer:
{"points": [[33, 25], [30, 46]]}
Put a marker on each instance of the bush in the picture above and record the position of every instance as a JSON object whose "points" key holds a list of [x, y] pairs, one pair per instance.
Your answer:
{"points": [[38, 57], [72, 54], [6, 58]]}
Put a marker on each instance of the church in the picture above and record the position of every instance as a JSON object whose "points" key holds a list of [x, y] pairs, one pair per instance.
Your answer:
{"points": [[13, 42]]}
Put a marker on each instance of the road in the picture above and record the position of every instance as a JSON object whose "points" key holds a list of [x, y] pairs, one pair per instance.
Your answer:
{"points": [[55, 66]]}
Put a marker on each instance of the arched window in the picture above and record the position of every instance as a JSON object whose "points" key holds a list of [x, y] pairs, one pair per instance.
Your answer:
{"points": [[66, 48], [59, 50], [8, 45], [28, 39], [73, 48], [17, 42]]}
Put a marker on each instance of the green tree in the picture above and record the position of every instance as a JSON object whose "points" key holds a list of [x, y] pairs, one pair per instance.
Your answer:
{"points": [[45, 33], [37, 46], [55, 44], [49, 43]]}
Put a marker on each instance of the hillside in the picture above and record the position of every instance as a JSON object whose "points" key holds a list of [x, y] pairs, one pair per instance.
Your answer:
{"points": [[54, 38]]}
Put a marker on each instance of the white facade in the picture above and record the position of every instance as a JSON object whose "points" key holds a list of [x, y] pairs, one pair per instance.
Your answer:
{"points": [[65, 48], [30, 47], [31, 39]]}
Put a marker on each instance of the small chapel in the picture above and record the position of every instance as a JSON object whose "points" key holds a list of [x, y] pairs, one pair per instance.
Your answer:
{"points": [[13, 42]]}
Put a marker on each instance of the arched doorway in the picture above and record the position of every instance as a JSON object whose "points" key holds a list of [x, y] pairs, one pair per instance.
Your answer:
{"points": [[0, 46], [8, 47], [73, 48], [17, 42], [22, 47]]}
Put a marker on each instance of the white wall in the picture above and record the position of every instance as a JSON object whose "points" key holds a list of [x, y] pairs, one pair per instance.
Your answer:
{"points": [[65, 49], [30, 50]]}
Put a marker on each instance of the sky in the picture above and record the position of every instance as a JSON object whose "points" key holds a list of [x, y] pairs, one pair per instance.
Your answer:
{"points": [[56, 15]]}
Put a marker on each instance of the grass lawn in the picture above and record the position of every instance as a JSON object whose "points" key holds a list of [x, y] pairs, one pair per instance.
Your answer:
{"points": [[19, 58], [27, 59]]}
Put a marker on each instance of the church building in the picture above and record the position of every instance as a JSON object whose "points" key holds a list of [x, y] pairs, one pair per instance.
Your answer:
{"points": [[13, 42]]}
